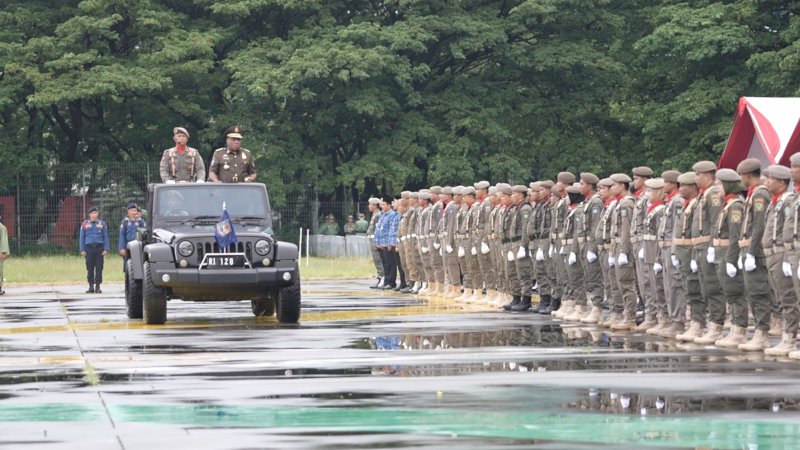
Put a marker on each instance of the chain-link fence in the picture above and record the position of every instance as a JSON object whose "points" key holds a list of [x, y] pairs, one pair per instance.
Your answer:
{"points": [[43, 209]]}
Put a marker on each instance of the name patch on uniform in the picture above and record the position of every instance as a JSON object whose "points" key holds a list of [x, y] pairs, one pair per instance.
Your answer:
{"points": [[786, 211], [758, 204], [715, 201], [595, 211], [736, 217], [623, 212]]}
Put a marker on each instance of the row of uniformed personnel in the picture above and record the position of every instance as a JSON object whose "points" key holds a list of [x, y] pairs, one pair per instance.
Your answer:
{"points": [[723, 242]]}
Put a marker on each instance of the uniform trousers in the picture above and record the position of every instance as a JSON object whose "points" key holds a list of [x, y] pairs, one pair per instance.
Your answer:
{"points": [[784, 287], [759, 293], [389, 266], [713, 297], [592, 278], [673, 289], [691, 284], [733, 289], [94, 263]]}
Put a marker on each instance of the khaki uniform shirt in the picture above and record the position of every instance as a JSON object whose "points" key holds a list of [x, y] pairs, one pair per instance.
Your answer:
{"points": [[232, 167], [650, 228], [754, 222], [186, 167], [729, 230], [591, 211], [621, 228], [776, 216]]}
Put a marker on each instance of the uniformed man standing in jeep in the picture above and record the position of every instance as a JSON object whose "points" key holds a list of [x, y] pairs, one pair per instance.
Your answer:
{"points": [[232, 163], [182, 164]]}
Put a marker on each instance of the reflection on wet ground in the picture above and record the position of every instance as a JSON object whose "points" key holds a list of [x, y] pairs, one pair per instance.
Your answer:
{"points": [[369, 370]]}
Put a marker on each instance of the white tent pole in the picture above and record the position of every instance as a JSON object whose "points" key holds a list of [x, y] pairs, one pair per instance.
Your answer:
{"points": [[307, 240], [300, 253]]}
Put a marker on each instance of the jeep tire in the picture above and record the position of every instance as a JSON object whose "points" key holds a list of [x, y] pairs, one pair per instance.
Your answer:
{"points": [[155, 305], [288, 304], [133, 292], [264, 306]]}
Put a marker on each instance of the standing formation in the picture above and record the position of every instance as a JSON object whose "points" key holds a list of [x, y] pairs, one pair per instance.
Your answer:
{"points": [[697, 253]]}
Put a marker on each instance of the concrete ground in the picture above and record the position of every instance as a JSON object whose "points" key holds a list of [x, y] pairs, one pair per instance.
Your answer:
{"points": [[367, 369]]}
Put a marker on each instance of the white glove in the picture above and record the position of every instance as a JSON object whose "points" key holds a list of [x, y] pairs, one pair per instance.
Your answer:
{"points": [[749, 262], [622, 259], [441, 253], [572, 259], [539, 255], [510, 256], [200, 181], [693, 266], [711, 255], [641, 253], [461, 252], [611, 261], [436, 245], [484, 248], [449, 248], [425, 249], [170, 181], [474, 251], [731, 269], [787, 268], [591, 256], [521, 252], [798, 271], [550, 251], [675, 263], [561, 251], [657, 268], [739, 264]]}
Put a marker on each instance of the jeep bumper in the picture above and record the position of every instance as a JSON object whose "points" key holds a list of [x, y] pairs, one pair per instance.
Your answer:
{"points": [[167, 275]]}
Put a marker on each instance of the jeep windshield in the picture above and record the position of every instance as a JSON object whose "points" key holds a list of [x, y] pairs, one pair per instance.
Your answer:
{"points": [[201, 205]]}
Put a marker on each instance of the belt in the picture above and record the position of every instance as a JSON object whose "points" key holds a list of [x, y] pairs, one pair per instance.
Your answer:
{"points": [[431, 234], [601, 247], [773, 251], [683, 241], [563, 242], [636, 239], [581, 240], [745, 242], [664, 244], [98, 245], [413, 235], [568, 242], [402, 239], [560, 235], [505, 240], [439, 236], [721, 242], [515, 239], [371, 236], [701, 240], [649, 237], [617, 240]]}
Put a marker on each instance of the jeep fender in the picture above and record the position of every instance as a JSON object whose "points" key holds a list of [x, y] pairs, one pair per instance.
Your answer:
{"points": [[135, 254], [159, 252], [285, 250]]}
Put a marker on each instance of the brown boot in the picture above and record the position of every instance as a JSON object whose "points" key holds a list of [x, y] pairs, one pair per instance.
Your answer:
{"points": [[567, 306], [775, 326], [795, 354], [650, 321], [577, 313], [695, 331], [674, 329], [661, 325], [737, 335], [612, 319], [784, 347], [628, 323], [757, 343], [713, 334], [594, 316]]}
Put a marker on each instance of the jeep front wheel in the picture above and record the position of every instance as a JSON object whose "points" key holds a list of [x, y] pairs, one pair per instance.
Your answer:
{"points": [[133, 292], [155, 305], [264, 306], [288, 304]]}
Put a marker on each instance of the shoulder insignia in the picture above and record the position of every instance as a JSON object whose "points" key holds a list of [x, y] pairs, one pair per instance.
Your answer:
{"points": [[736, 216], [758, 204], [715, 200], [786, 211], [623, 212], [525, 216], [595, 211]]}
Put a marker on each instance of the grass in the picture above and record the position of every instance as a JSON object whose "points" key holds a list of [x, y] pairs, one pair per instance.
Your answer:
{"points": [[72, 269]]}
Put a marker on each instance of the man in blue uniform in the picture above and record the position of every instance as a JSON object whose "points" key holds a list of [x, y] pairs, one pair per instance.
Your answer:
{"points": [[94, 245], [127, 231]]}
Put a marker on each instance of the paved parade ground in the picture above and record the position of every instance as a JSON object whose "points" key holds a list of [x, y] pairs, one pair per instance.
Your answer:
{"points": [[367, 369]]}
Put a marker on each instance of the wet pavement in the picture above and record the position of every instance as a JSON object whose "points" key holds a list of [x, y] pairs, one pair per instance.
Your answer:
{"points": [[367, 369]]}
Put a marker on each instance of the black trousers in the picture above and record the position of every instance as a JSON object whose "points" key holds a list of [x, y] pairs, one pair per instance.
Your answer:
{"points": [[389, 266], [399, 267], [94, 263]]}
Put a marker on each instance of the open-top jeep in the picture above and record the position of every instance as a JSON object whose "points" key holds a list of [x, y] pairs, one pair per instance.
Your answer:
{"points": [[178, 255]]}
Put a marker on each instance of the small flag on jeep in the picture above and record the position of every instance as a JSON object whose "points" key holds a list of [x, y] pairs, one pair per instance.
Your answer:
{"points": [[224, 232]]}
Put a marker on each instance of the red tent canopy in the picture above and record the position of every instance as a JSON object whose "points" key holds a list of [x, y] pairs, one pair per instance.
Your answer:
{"points": [[767, 128]]}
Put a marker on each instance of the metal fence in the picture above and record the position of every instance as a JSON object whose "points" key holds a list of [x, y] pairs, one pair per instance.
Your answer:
{"points": [[43, 209]]}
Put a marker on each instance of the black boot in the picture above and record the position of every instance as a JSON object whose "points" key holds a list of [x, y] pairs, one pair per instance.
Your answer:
{"points": [[97, 289], [524, 305], [544, 302], [377, 285], [514, 302], [90, 290], [555, 303]]}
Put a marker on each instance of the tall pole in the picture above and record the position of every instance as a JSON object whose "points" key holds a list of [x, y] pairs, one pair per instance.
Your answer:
{"points": [[300, 248], [307, 240]]}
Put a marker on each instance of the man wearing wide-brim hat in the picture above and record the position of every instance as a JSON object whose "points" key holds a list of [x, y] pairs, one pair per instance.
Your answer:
{"points": [[232, 163], [181, 164]]}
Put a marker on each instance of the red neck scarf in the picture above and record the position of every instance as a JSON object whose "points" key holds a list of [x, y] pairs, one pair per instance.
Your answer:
{"points": [[776, 197], [729, 197], [670, 196], [654, 204], [180, 148], [638, 193], [751, 189]]}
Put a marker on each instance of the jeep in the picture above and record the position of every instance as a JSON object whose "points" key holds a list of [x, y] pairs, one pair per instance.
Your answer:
{"points": [[178, 255]]}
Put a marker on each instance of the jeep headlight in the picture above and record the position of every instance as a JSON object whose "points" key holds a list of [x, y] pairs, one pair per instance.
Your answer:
{"points": [[263, 247], [185, 248]]}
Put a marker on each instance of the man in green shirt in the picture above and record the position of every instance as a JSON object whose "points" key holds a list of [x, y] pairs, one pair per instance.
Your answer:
{"points": [[361, 224], [330, 227]]}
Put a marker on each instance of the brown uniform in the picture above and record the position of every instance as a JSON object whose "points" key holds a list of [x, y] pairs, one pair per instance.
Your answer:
{"points": [[756, 280], [232, 166], [712, 300], [182, 167], [726, 244]]}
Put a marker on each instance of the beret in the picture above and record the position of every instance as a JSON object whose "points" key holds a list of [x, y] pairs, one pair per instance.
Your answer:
{"points": [[571, 189], [536, 185], [547, 184], [779, 172], [504, 188], [671, 176], [414, 195], [654, 183], [728, 175], [605, 182], [447, 190], [180, 130], [749, 165], [492, 190], [469, 190], [458, 190], [589, 178], [405, 194], [520, 188], [642, 171], [91, 209], [133, 206], [620, 178], [435, 190], [795, 159], [566, 177], [374, 201], [688, 178], [704, 166], [425, 195], [482, 185]]}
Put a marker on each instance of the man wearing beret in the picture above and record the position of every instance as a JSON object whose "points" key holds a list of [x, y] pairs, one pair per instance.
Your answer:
{"points": [[522, 281], [591, 211], [411, 254], [496, 217], [683, 247], [674, 297], [546, 271], [483, 229], [449, 228], [181, 164], [375, 210], [791, 312], [752, 261], [559, 216], [656, 309], [603, 240], [402, 231], [571, 248], [94, 246], [643, 287], [436, 286], [623, 309], [127, 231], [533, 235], [467, 258], [425, 245], [232, 163]]}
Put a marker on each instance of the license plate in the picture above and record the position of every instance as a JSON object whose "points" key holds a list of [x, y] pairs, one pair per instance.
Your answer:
{"points": [[223, 261]]}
